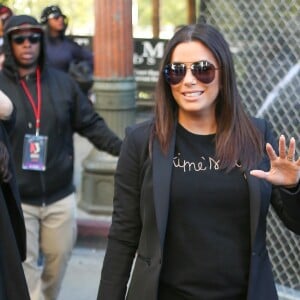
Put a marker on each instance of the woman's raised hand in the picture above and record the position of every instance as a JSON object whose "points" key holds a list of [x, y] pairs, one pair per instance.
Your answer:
{"points": [[285, 168]]}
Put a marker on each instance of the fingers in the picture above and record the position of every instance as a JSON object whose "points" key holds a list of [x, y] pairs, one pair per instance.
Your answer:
{"points": [[284, 153], [259, 174], [292, 149], [288, 154], [281, 146], [271, 152]]}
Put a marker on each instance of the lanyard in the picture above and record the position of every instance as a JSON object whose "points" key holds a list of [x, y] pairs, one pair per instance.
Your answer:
{"points": [[36, 108]]}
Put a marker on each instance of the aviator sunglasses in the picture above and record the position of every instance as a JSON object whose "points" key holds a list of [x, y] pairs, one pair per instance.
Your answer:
{"points": [[203, 70], [20, 38]]}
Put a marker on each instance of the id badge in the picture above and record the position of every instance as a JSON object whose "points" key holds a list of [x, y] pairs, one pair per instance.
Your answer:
{"points": [[34, 152]]}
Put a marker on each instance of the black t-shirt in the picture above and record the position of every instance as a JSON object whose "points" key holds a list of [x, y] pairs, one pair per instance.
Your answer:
{"points": [[207, 244]]}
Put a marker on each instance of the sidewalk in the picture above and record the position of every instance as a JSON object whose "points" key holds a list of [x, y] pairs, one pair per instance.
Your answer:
{"points": [[82, 277]]}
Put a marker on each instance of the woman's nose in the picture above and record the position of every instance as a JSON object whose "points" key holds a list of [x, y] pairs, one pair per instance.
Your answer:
{"points": [[189, 78]]}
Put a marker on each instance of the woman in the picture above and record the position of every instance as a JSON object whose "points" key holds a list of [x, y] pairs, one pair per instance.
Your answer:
{"points": [[12, 229], [193, 186]]}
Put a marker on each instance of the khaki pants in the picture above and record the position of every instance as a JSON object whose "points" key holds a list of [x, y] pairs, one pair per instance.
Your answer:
{"points": [[51, 231]]}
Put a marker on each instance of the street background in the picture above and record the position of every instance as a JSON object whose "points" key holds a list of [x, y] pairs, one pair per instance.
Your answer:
{"points": [[83, 273]]}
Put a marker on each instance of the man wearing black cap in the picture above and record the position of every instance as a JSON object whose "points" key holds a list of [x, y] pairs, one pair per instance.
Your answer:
{"points": [[50, 108], [62, 52]]}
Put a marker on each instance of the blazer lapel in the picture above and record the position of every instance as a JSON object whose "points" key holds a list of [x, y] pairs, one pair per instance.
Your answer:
{"points": [[162, 171], [255, 201]]}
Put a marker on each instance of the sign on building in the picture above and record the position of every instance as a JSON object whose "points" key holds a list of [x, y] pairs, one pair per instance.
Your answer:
{"points": [[146, 62]]}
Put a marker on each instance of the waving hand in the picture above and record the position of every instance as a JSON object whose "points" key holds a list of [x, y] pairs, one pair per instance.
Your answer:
{"points": [[285, 169]]}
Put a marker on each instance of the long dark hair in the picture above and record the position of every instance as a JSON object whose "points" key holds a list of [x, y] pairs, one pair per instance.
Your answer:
{"points": [[237, 139]]}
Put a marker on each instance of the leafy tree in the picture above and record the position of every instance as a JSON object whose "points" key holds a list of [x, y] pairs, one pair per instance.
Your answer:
{"points": [[81, 13]]}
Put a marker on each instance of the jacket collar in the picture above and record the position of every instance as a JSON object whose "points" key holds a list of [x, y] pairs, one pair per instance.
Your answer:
{"points": [[162, 172]]}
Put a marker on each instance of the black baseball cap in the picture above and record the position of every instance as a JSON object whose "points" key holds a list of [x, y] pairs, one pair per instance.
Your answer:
{"points": [[49, 12], [22, 22]]}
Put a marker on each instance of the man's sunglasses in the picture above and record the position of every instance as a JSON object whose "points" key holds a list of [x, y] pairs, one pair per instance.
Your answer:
{"points": [[203, 70], [19, 39], [55, 16]]}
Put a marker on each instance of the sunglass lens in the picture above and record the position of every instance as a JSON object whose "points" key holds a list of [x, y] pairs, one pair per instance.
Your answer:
{"points": [[35, 38], [174, 73], [204, 71], [20, 39]]}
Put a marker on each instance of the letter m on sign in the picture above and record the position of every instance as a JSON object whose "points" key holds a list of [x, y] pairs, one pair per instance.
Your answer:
{"points": [[156, 51]]}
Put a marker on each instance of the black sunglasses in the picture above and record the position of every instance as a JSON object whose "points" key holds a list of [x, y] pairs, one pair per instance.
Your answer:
{"points": [[20, 39], [203, 70], [55, 16]]}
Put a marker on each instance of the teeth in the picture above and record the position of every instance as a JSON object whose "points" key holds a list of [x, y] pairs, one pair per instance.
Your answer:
{"points": [[194, 94]]}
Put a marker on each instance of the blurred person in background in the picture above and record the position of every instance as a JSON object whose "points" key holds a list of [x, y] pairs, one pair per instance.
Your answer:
{"points": [[5, 13], [12, 228], [50, 108], [64, 53]]}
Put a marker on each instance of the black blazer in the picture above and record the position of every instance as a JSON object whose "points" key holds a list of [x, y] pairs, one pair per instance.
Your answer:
{"points": [[141, 202], [12, 235]]}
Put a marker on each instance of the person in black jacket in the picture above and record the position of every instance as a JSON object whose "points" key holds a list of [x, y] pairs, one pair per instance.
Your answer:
{"points": [[50, 108], [193, 186], [12, 228], [64, 53]]}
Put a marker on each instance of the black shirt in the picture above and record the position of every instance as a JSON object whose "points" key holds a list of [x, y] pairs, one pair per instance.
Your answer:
{"points": [[207, 245]]}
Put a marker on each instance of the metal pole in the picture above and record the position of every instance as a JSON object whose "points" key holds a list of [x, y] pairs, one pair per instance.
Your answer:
{"points": [[155, 18], [191, 11]]}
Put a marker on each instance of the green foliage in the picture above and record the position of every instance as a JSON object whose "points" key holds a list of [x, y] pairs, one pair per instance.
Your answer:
{"points": [[171, 12], [174, 12], [5, 2], [81, 13]]}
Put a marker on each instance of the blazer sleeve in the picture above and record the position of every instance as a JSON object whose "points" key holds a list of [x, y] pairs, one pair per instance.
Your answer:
{"points": [[126, 221]]}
